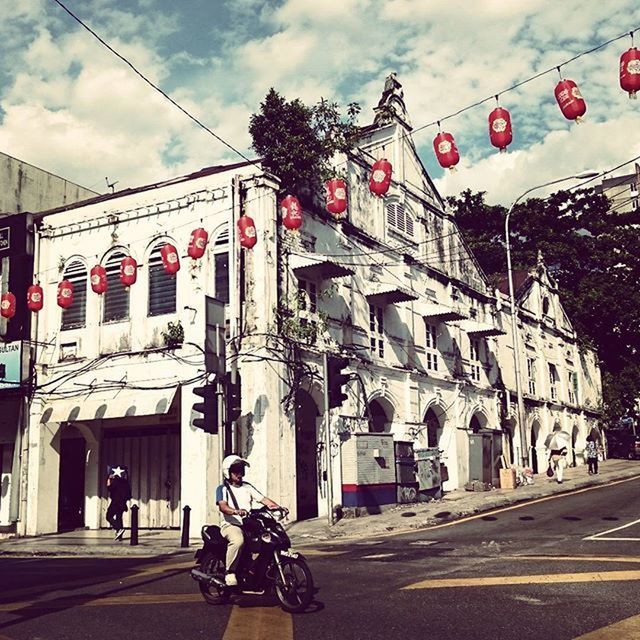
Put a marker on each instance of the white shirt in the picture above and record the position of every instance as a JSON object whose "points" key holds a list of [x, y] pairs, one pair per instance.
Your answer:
{"points": [[246, 495]]}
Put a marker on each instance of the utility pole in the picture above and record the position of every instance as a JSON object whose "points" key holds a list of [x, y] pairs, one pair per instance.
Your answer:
{"points": [[327, 440]]}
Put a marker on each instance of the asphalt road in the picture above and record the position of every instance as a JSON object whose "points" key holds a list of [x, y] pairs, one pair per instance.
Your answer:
{"points": [[557, 568]]}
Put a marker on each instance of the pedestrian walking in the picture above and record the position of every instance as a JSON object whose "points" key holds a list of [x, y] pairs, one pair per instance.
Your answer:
{"points": [[557, 442], [119, 493], [591, 452], [558, 461]]}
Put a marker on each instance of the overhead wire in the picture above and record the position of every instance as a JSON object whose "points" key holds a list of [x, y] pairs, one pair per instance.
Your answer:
{"points": [[152, 84]]}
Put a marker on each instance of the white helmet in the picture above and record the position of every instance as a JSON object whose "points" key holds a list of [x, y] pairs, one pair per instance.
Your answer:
{"points": [[229, 462]]}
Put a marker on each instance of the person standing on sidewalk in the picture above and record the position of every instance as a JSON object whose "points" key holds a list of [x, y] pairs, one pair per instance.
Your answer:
{"points": [[120, 493], [591, 452]]}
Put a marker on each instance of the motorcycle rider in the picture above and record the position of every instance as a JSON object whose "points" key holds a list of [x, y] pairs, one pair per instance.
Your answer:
{"points": [[235, 498]]}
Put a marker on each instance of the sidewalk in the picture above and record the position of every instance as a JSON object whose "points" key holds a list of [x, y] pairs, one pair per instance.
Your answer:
{"points": [[455, 505], [409, 517]]}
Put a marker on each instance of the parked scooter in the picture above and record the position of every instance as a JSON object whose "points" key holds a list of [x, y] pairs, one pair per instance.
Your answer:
{"points": [[267, 563]]}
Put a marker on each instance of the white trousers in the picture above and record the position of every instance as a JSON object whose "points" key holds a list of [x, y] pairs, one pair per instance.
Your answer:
{"points": [[558, 466], [235, 538]]}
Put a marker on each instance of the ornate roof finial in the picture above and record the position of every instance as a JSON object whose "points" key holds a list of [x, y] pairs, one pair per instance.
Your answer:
{"points": [[391, 104]]}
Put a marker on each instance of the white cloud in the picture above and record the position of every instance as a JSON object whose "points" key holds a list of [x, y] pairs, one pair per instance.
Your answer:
{"points": [[72, 107]]}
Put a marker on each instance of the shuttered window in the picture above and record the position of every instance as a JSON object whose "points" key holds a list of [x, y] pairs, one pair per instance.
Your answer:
{"points": [[399, 218], [162, 286], [116, 298], [221, 266], [76, 315]]}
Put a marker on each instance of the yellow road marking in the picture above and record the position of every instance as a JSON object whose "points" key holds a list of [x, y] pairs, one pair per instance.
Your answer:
{"points": [[628, 628], [545, 578], [318, 552], [632, 560], [520, 505], [153, 569], [259, 623], [98, 601]]}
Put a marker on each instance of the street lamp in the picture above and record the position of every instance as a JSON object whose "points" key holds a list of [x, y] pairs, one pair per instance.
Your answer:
{"points": [[524, 450]]}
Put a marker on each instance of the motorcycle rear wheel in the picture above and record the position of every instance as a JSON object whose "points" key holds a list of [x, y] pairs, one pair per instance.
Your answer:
{"points": [[213, 565], [296, 593]]}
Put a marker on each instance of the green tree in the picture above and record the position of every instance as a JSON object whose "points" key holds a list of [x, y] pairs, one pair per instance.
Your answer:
{"points": [[297, 142], [593, 254]]}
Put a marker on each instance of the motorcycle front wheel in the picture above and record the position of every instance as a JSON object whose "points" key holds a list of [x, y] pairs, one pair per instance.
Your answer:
{"points": [[213, 566], [296, 592]]}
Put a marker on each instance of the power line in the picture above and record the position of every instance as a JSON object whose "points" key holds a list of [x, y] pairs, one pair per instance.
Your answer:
{"points": [[153, 85]]}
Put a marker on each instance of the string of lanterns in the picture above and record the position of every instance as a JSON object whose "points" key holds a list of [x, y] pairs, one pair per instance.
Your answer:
{"points": [[128, 274], [569, 99], [567, 95]]}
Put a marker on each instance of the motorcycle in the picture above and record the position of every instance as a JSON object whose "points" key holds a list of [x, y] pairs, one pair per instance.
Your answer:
{"points": [[267, 563]]}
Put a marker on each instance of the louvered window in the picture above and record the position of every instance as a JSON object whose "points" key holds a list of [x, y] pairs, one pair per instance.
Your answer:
{"points": [[76, 315], [221, 266], [162, 286], [399, 218], [116, 298]]}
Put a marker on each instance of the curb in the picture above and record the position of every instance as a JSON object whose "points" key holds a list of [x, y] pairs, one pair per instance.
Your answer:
{"points": [[495, 504]]}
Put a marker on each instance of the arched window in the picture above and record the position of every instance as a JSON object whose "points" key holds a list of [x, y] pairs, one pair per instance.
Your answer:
{"points": [[545, 306], [76, 315], [116, 298], [162, 286], [221, 266], [399, 218]]}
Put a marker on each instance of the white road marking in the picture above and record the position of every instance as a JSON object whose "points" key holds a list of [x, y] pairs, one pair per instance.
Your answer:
{"points": [[423, 543], [599, 536], [376, 556]]}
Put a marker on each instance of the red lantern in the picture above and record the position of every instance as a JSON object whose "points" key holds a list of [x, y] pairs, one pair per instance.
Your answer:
{"points": [[35, 297], [8, 305], [65, 294], [247, 229], [197, 243], [570, 100], [336, 196], [291, 213], [630, 71], [128, 271], [500, 132], [446, 151], [170, 259], [380, 179], [98, 279]]}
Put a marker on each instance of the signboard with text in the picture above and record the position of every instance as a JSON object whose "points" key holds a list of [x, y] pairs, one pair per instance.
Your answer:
{"points": [[10, 364]]}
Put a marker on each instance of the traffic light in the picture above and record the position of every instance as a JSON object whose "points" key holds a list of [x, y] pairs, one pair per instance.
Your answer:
{"points": [[336, 380], [208, 408], [233, 398]]}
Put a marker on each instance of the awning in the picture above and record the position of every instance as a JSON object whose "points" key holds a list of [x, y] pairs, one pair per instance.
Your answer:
{"points": [[440, 313], [114, 403], [389, 294], [318, 267], [480, 329]]}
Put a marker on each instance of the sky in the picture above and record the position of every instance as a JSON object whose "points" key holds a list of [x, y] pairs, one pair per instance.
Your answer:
{"points": [[71, 107]]}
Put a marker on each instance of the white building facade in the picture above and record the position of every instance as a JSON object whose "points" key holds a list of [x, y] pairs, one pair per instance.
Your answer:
{"points": [[390, 286], [560, 378]]}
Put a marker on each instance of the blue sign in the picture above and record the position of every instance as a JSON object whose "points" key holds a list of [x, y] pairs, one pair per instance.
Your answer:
{"points": [[10, 364]]}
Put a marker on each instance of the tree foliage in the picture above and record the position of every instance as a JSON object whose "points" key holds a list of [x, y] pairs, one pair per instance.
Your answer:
{"points": [[594, 255], [297, 142]]}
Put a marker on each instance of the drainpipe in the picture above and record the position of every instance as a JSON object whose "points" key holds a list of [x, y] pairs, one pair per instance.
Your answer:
{"points": [[25, 408]]}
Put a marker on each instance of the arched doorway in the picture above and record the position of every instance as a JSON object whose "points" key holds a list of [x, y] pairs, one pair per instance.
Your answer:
{"points": [[381, 415], [433, 430], [71, 479], [306, 456], [535, 433]]}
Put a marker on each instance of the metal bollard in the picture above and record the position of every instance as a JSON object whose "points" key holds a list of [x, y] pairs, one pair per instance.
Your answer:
{"points": [[184, 542], [134, 525]]}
